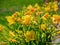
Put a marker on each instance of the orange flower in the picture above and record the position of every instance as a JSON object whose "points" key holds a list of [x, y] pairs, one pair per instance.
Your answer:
{"points": [[56, 16], [56, 19], [14, 15], [30, 8], [33, 10]]}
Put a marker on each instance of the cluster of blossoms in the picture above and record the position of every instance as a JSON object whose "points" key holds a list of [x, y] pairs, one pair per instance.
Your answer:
{"points": [[33, 25]]}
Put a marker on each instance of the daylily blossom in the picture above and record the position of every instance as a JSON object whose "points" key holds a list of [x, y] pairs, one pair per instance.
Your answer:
{"points": [[27, 19], [10, 19], [43, 26], [56, 19], [30, 35]]}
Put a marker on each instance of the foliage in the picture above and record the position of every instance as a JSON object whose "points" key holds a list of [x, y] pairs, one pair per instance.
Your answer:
{"points": [[33, 25]]}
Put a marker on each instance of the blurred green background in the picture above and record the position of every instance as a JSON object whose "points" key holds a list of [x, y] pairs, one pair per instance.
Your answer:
{"points": [[15, 5]]}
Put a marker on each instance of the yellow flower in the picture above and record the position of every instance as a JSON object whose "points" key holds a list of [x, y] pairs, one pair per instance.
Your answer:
{"points": [[55, 6], [11, 40], [16, 14], [45, 16], [11, 33], [37, 7], [29, 7], [27, 19], [47, 8], [0, 28], [42, 26], [58, 32], [30, 35], [19, 20], [56, 19], [28, 13], [10, 19]]}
